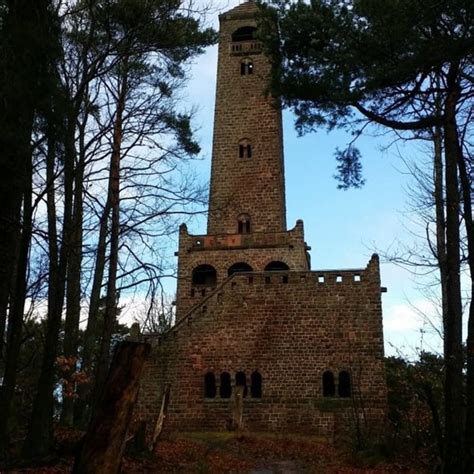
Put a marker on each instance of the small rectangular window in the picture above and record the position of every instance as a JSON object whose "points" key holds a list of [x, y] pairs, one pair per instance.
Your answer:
{"points": [[241, 151], [249, 151], [242, 69]]}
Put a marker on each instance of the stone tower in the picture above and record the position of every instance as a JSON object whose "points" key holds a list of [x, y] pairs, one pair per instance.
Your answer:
{"points": [[246, 228], [247, 177], [252, 318]]}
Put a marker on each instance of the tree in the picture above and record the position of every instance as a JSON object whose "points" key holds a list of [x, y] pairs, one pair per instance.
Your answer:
{"points": [[121, 63], [415, 404], [402, 65], [29, 47]]}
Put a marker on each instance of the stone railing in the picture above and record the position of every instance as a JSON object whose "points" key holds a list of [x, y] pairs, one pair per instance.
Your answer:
{"points": [[252, 240], [238, 48]]}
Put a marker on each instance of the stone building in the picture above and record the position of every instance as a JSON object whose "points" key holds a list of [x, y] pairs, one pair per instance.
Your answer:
{"points": [[305, 348]]}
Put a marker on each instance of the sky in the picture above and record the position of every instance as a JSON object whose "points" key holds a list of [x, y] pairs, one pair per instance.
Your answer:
{"points": [[343, 228]]}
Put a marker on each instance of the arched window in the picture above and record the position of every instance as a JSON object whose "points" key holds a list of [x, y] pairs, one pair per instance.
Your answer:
{"points": [[226, 386], [256, 385], [239, 267], [210, 385], [204, 275], [245, 33], [241, 380], [245, 148], [329, 387], [277, 267], [243, 224], [246, 67], [344, 384]]}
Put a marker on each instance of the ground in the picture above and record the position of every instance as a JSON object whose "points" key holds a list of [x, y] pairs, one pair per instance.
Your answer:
{"points": [[253, 453]]}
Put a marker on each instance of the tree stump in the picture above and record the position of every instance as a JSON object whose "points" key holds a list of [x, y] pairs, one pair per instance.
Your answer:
{"points": [[104, 442]]}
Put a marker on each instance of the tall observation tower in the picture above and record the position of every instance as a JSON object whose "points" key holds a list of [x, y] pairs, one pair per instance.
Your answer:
{"points": [[302, 349], [246, 228]]}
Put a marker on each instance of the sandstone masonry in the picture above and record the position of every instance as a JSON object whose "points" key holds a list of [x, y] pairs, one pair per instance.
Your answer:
{"points": [[307, 346]]}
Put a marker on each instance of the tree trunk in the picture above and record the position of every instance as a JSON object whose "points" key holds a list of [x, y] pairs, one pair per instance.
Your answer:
{"points": [[440, 224], [453, 459], [114, 194], [467, 214], [105, 439], [73, 294], [39, 439], [23, 36], [90, 337], [16, 317]]}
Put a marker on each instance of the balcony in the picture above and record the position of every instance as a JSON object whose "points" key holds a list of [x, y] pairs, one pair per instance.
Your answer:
{"points": [[243, 48]]}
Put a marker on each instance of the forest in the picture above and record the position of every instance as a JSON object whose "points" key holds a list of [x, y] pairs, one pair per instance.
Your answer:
{"points": [[93, 164], [96, 173]]}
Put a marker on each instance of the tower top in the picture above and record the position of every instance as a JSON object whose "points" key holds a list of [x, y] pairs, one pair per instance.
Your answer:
{"points": [[246, 9], [247, 177]]}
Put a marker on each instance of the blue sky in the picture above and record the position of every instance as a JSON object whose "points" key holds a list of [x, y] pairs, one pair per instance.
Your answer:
{"points": [[342, 227]]}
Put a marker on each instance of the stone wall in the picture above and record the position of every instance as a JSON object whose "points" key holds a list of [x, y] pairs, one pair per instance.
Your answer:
{"points": [[222, 251], [291, 327]]}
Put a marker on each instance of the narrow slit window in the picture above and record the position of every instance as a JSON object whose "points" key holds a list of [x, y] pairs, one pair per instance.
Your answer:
{"points": [[256, 385], [329, 387], [246, 67], [225, 390], [210, 385], [243, 224], [241, 380], [245, 149], [344, 384]]}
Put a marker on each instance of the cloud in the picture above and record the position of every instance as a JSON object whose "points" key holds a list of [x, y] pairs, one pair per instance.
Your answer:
{"points": [[408, 316]]}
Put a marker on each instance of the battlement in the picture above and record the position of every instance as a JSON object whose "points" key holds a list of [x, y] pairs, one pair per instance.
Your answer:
{"points": [[337, 282]]}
